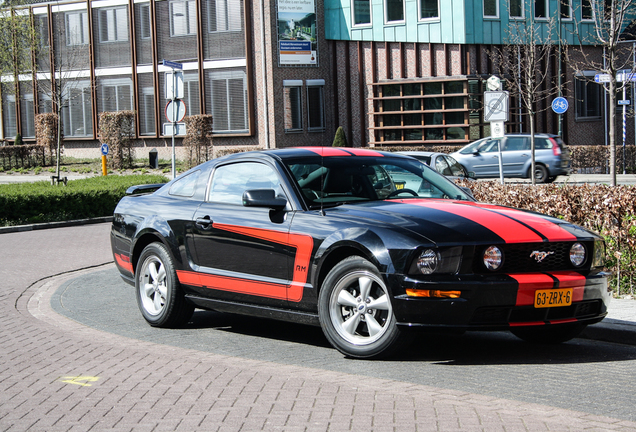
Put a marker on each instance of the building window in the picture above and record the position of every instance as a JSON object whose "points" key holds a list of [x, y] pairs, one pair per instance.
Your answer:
{"points": [[293, 105], [540, 9], [144, 18], [586, 10], [76, 28], [224, 15], [361, 12], [315, 106], [116, 94], [565, 9], [9, 115], [183, 18], [588, 98], [429, 9], [394, 10], [228, 101], [113, 24], [491, 8], [516, 8], [27, 109], [76, 109], [425, 112], [147, 111]]}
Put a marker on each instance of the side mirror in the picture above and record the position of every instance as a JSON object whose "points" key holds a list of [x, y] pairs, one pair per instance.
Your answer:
{"points": [[471, 174], [476, 152], [263, 198]]}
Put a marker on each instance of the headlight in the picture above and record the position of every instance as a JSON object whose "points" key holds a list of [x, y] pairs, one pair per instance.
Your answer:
{"points": [[599, 254], [438, 261], [577, 254], [428, 261], [493, 258]]}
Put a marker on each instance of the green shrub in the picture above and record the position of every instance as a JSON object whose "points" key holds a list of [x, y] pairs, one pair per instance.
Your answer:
{"points": [[609, 211], [87, 198]]}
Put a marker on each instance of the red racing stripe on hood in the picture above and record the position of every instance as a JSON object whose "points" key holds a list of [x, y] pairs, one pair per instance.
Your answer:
{"points": [[551, 231], [510, 230], [331, 151], [512, 225]]}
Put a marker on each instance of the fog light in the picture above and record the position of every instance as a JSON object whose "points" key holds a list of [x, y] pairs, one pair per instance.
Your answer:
{"points": [[428, 261], [493, 258], [577, 254]]}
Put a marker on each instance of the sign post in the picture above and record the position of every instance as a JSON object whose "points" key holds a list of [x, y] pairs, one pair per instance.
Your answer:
{"points": [[104, 149], [496, 109], [173, 93]]}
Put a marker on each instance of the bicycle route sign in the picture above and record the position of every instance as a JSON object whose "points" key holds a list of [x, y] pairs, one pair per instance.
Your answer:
{"points": [[560, 105]]}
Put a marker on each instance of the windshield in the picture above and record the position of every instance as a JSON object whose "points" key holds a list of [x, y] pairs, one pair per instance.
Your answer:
{"points": [[338, 180]]}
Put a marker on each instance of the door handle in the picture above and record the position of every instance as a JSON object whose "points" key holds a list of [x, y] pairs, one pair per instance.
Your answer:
{"points": [[204, 222]]}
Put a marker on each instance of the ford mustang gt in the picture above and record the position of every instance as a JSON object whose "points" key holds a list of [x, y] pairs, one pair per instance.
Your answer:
{"points": [[366, 244]]}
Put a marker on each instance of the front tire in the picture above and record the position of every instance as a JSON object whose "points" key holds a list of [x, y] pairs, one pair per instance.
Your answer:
{"points": [[549, 334], [159, 294], [355, 310]]}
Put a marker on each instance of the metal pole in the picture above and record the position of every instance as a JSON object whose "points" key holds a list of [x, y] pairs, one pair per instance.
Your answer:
{"points": [[174, 117], [624, 123]]}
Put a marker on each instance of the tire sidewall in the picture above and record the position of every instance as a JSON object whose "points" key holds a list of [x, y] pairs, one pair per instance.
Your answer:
{"points": [[379, 348]]}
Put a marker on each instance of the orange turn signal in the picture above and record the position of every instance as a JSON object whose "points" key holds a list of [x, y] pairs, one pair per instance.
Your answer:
{"points": [[433, 293]]}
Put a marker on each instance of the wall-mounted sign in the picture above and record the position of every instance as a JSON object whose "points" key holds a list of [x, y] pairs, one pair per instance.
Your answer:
{"points": [[297, 32]]}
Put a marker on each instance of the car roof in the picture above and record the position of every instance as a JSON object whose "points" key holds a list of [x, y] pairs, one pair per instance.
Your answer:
{"points": [[419, 153]]}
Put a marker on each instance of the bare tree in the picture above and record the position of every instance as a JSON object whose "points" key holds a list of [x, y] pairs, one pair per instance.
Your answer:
{"points": [[56, 59], [610, 18], [523, 62]]}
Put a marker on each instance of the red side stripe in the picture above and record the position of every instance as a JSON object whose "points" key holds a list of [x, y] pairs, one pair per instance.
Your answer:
{"points": [[304, 245], [243, 286], [508, 229], [124, 262]]}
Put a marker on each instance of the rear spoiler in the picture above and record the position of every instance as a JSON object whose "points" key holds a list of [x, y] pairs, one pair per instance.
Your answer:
{"points": [[144, 188]]}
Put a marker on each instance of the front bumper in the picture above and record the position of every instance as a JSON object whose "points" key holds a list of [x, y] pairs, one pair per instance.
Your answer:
{"points": [[498, 302]]}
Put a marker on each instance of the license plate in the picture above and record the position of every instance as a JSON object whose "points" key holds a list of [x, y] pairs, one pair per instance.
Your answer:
{"points": [[553, 298], [399, 185]]}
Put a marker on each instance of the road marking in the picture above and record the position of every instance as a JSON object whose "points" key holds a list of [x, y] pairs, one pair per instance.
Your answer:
{"points": [[79, 380]]}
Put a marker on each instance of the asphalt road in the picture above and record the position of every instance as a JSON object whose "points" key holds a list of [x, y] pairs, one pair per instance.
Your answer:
{"points": [[590, 376], [106, 369]]}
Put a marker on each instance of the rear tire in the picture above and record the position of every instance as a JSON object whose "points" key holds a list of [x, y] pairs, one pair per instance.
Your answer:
{"points": [[540, 173], [159, 294], [549, 334], [355, 311]]}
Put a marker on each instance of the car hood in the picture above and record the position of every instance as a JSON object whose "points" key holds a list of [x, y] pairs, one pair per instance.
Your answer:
{"points": [[465, 222]]}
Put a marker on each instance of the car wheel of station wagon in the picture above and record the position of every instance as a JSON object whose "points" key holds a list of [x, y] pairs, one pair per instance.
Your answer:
{"points": [[540, 173], [159, 294], [549, 334], [355, 310]]}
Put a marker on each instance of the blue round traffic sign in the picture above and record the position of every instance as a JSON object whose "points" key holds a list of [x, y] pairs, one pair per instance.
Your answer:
{"points": [[560, 105], [104, 149]]}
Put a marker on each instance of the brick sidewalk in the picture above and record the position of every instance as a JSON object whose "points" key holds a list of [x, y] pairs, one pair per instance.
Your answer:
{"points": [[59, 375]]}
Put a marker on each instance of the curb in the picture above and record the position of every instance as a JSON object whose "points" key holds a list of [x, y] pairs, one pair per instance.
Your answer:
{"points": [[610, 330], [61, 224]]}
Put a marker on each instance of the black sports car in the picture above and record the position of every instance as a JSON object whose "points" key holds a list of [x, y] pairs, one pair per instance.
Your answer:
{"points": [[363, 243]]}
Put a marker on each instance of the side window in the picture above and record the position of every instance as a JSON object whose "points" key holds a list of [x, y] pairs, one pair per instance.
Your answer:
{"points": [[442, 167], [455, 167], [489, 146], [542, 144], [230, 181], [517, 143], [184, 186]]}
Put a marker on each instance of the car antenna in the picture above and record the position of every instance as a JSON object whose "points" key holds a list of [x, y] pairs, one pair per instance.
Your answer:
{"points": [[322, 181]]}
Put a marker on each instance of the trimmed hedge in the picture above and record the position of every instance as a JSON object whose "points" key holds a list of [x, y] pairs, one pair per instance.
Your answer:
{"points": [[609, 211], [39, 202]]}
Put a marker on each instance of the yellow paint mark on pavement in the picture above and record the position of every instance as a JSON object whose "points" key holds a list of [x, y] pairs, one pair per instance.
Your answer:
{"points": [[79, 380]]}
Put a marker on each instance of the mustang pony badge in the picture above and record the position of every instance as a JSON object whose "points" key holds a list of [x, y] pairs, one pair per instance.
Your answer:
{"points": [[540, 256]]}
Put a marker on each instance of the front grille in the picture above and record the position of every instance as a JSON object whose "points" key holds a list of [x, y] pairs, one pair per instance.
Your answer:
{"points": [[502, 315], [518, 258]]}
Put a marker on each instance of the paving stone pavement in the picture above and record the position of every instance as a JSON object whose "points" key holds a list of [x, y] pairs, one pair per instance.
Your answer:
{"points": [[59, 375]]}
